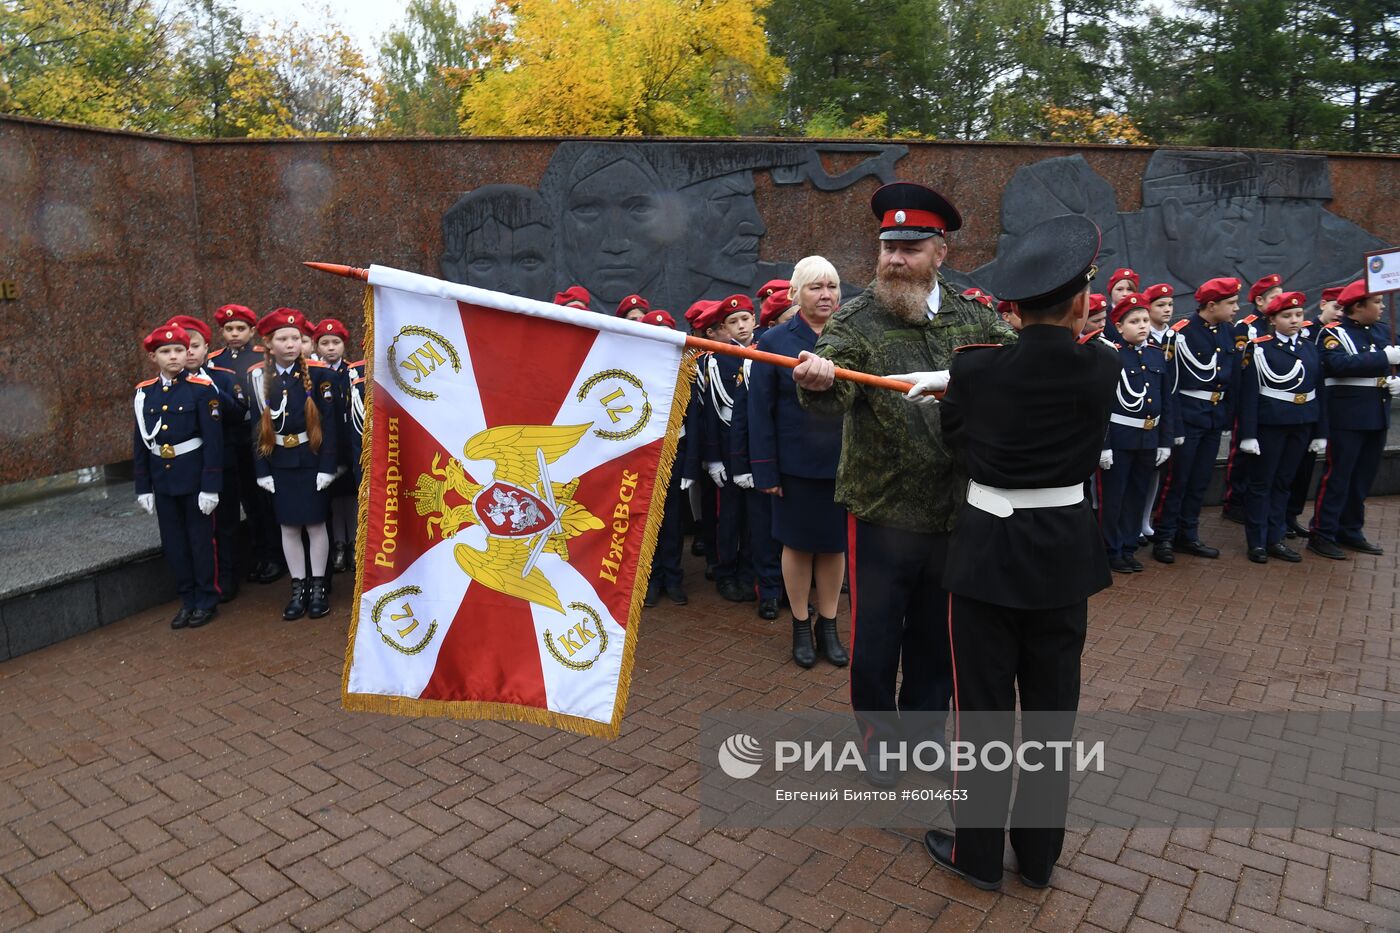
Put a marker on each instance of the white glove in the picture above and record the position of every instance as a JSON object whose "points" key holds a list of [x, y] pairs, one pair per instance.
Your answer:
{"points": [[208, 502], [1105, 460], [1162, 454], [717, 472], [744, 481], [1393, 384], [924, 383], [686, 484], [147, 501], [1318, 446], [1392, 355], [1249, 446], [324, 480], [268, 483], [1178, 441]]}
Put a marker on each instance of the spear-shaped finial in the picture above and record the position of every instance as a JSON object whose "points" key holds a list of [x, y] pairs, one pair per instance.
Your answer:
{"points": [[349, 272]]}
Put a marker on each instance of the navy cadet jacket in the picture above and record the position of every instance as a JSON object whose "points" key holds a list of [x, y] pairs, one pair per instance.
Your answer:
{"points": [[783, 436], [286, 402], [1143, 396], [1281, 384], [693, 428], [724, 391], [1205, 363], [177, 440], [1354, 362], [233, 408]]}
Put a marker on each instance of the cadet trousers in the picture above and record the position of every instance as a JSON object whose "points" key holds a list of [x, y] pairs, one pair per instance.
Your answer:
{"points": [[766, 552], [1191, 464], [734, 560], [226, 519], [1238, 466], [187, 538], [1302, 485], [1122, 493], [998, 652], [1281, 448], [666, 559], [257, 504], [1353, 457], [899, 620]]}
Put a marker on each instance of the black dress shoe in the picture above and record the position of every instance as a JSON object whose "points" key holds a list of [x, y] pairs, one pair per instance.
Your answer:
{"points": [[653, 594], [1295, 530], [1361, 545], [202, 617], [1036, 883], [1162, 552], [877, 775], [697, 546], [709, 572], [1142, 541], [1119, 565], [340, 561], [228, 592], [804, 652], [1195, 549], [1324, 548], [1284, 552], [676, 594], [271, 572], [296, 606], [317, 600], [829, 642], [1258, 555], [940, 848], [1134, 564], [182, 618], [1233, 515], [768, 609], [731, 590]]}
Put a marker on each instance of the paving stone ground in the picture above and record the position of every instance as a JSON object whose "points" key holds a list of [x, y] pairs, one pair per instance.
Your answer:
{"points": [[162, 780]]}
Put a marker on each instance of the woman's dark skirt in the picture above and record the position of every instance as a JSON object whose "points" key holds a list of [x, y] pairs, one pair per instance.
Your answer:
{"points": [[807, 517], [296, 501]]}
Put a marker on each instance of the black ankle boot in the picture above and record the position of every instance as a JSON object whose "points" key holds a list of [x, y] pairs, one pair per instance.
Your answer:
{"points": [[340, 562], [803, 651], [317, 603], [829, 642], [296, 608]]}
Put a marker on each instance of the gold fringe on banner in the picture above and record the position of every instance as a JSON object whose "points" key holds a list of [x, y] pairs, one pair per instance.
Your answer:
{"points": [[476, 709]]}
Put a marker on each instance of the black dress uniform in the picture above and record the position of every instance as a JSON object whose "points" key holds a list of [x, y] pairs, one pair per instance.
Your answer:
{"points": [[293, 464], [1028, 421], [1356, 363], [765, 552], [1205, 374], [1166, 342], [177, 452], [734, 571], [234, 408], [1237, 468], [1281, 409]]}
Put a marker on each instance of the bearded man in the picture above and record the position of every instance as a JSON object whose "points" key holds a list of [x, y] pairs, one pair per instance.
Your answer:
{"points": [[896, 477]]}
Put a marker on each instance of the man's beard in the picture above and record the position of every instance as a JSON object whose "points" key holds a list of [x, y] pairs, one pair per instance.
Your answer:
{"points": [[905, 292]]}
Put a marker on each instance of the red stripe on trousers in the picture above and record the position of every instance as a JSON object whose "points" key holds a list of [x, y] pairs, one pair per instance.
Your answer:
{"points": [[957, 726]]}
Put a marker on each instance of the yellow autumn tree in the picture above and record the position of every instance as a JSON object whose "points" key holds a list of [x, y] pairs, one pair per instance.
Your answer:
{"points": [[621, 68], [1075, 125]]}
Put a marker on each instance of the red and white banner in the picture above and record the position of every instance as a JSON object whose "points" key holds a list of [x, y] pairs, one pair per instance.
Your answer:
{"points": [[516, 461]]}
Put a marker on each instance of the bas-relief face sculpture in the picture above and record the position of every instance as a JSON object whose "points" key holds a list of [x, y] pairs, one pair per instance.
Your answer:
{"points": [[725, 216], [507, 260]]}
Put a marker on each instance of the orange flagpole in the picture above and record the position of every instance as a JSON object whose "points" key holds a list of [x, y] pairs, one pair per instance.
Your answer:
{"points": [[695, 343]]}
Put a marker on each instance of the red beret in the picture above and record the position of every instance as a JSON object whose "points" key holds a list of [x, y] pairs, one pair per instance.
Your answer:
{"points": [[734, 304], [697, 309], [775, 304], [191, 323], [659, 318], [1286, 300], [1129, 302], [630, 302], [1353, 293], [574, 293], [236, 313], [1118, 274], [1004, 307], [1263, 285], [1330, 294], [331, 326], [712, 315], [1160, 290], [976, 294], [282, 317], [1097, 303], [776, 285], [164, 335], [1216, 289]]}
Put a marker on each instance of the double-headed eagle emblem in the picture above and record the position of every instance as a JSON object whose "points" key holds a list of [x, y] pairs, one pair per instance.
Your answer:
{"points": [[523, 511]]}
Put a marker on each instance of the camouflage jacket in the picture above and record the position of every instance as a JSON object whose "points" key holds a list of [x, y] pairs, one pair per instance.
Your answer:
{"points": [[895, 469]]}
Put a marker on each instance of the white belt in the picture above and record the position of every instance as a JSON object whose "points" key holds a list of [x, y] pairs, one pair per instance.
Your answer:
{"points": [[1368, 382], [1002, 502], [1147, 424], [291, 440], [1212, 397], [1297, 398], [171, 451]]}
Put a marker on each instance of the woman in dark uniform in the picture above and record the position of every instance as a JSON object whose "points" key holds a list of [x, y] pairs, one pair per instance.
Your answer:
{"points": [[794, 455], [294, 453]]}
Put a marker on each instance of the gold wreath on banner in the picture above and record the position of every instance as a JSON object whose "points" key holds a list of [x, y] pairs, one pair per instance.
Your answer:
{"points": [[378, 612], [413, 330], [643, 418], [602, 640]]}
